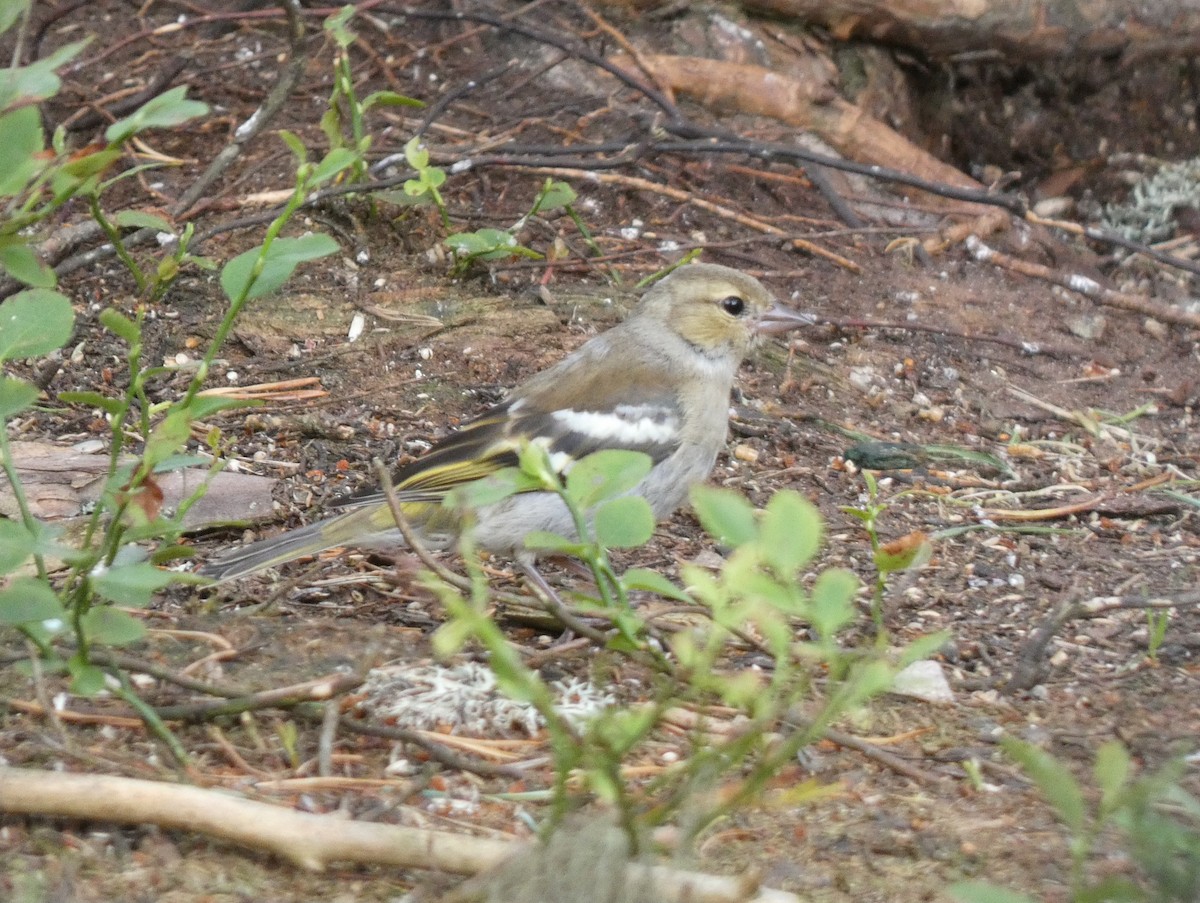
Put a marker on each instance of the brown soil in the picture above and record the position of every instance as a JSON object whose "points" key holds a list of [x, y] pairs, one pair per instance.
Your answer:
{"points": [[1054, 417]]}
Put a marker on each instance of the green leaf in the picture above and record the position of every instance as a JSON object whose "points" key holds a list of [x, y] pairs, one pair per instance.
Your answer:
{"points": [[624, 523], [165, 111], [335, 161], [282, 258], [15, 396], [202, 263], [790, 533], [859, 514], [10, 11], [338, 25], [133, 585], [82, 168], [492, 489], [19, 162], [541, 541], [909, 551], [204, 405], [451, 637], [111, 626], [980, 892], [92, 399], [16, 545], [26, 600], [179, 462], [120, 325], [390, 99], [1056, 783], [553, 196], [653, 582], [1111, 772], [535, 462], [86, 679], [833, 601], [487, 245], [1118, 890], [606, 474], [725, 515], [139, 219], [481, 242], [754, 585], [20, 262], [922, 648], [403, 198], [167, 437], [37, 81], [416, 155], [34, 322], [295, 145]]}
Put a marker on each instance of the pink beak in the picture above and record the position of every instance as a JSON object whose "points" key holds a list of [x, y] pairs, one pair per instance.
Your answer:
{"points": [[781, 319]]}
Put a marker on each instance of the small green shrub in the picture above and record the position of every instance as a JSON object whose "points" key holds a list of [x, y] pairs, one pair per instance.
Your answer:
{"points": [[1160, 822], [66, 614], [760, 596]]}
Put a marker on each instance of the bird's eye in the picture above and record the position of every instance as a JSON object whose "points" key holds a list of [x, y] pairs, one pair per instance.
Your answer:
{"points": [[733, 305]]}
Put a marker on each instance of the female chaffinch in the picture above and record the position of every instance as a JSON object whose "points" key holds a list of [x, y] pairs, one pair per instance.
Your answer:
{"points": [[658, 383]]}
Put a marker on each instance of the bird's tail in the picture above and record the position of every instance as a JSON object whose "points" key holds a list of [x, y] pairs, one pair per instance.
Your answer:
{"points": [[355, 527], [266, 553]]}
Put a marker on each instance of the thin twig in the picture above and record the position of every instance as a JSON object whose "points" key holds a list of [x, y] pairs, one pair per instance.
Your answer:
{"points": [[1083, 285], [414, 542], [289, 75]]}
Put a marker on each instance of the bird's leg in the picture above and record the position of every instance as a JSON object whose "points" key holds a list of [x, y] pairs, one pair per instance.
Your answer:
{"points": [[574, 624], [549, 597]]}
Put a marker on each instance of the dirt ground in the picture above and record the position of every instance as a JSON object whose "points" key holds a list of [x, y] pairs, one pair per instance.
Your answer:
{"points": [[1092, 436]]}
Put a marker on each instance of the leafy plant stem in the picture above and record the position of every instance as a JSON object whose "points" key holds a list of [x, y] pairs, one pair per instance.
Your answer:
{"points": [[237, 303], [110, 231], [153, 722], [18, 491]]}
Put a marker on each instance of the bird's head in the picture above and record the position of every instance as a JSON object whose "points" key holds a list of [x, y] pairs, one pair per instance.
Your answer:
{"points": [[717, 309]]}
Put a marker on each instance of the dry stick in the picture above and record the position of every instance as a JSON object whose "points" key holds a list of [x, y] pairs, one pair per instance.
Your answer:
{"points": [[415, 545], [1083, 285], [678, 194], [309, 841], [329, 726], [134, 664], [1022, 345], [73, 717], [882, 756], [437, 751], [1112, 238], [625, 44], [318, 690], [130, 102], [289, 75], [1099, 605], [867, 748], [1032, 657]]}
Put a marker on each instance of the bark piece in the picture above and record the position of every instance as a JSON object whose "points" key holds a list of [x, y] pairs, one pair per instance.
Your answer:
{"points": [[1021, 29]]}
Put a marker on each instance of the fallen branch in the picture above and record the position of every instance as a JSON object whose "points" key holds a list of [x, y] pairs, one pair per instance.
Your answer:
{"points": [[1083, 285], [311, 841]]}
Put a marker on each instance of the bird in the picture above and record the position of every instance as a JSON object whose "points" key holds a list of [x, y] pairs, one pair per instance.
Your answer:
{"points": [[659, 382]]}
